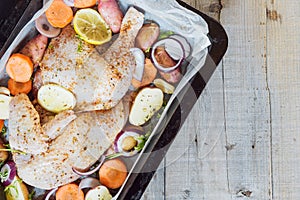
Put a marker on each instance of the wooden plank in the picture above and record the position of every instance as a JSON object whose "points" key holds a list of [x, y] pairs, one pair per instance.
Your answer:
{"points": [[283, 48], [196, 161], [247, 107]]}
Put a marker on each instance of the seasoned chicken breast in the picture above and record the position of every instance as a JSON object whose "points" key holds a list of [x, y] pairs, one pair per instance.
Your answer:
{"points": [[98, 81], [66, 141]]}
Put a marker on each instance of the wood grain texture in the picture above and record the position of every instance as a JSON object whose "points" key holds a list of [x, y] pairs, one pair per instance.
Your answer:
{"points": [[283, 47], [256, 154]]}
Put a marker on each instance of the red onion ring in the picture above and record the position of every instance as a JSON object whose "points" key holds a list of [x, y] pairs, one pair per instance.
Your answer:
{"points": [[51, 193], [69, 2], [174, 48], [89, 183], [118, 142], [140, 63], [80, 173], [186, 45], [11, 170]]}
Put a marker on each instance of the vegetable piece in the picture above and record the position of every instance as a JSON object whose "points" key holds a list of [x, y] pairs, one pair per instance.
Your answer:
{"points": [[102, 158], [173, 76], [59, 14], [147, 35], [84, 3], [69, 2], [186, 45], [164, 86], [140, 63], [70, 191], [55, 98], [35, 49], [4, 106], [100, 192], [8, 173], [125, 143], [3, 154], [164, 52], [51, 193], [45, 28], [91, 27], [112, 14], [19, 67], [113, 173], [5, 91], [17, 190], [149, 75], [147, 102], [1, 124], [89, 183], [37, 82], [17, 87]]}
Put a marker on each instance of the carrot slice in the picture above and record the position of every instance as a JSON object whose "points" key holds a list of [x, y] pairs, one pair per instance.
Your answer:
{"points": [[1, 124], [17, 87], [70, 191], [19, 67], [59, 14], [149, 75], [84, 3], [113, 173]]}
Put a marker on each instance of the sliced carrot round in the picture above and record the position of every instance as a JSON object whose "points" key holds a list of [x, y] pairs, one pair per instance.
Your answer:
{"points": [[1, 124], [19, 67], [17, 87], [113, 173], [84, 3], [59, 14], [70, 191]]}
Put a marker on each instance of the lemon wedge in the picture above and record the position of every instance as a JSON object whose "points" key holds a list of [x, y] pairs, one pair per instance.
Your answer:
{"points": [[91, 27]]}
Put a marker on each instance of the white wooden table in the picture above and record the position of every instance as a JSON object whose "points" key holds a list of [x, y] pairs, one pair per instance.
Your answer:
{"points": [[242, 139]]}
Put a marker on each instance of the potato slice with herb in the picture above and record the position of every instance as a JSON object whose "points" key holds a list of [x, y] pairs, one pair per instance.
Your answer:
{"points": [[147, 102], [55, 98], [4, 106]]}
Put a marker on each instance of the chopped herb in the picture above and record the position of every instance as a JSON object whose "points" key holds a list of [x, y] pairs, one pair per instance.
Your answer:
{"points": [[147, 50], [79, 47], [143, 139], [11, 150], [4, 131], [165, 34], [114, 155], [12, 186], [3, 175], [50, 46], [31, 195]]}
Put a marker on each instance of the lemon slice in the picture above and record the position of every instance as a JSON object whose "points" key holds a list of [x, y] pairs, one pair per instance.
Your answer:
{"points": [[91, 27]]}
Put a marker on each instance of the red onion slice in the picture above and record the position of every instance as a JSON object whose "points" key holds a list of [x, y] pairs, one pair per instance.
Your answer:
{"points": [[51, 193], [140, 63], [186, 45], [175, 50], [89, 183], [80, 173], [69, 2], [8, 173], [119, 139]]}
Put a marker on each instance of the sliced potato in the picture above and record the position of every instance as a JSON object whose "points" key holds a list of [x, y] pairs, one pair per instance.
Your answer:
{"points": [[4, 90], [55, 98], [4, 106], [17, 190], [147, 102], [164, 86], [100, 192]]}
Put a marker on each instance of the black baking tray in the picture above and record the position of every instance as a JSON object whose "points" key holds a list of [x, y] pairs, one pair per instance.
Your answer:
{"points": [[14, 14]]}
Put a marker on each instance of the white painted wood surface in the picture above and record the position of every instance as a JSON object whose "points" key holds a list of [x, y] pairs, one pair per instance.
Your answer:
{"points": [[251, 150]]}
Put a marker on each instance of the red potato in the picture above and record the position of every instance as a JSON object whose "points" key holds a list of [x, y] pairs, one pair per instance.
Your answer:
{"points": [[35, 49], [147, 35], [173, 76], [111, 13]]}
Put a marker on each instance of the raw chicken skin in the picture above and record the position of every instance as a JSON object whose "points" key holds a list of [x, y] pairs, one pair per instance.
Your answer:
{"points": [[98, 81], [66, 141]]}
